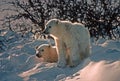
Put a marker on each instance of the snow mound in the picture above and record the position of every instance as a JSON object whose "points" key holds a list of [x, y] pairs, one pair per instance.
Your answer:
{"points": [[98, 71], [104, 64]]}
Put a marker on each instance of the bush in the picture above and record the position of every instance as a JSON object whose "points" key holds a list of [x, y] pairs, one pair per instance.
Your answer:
{"points": [[100, 16]]}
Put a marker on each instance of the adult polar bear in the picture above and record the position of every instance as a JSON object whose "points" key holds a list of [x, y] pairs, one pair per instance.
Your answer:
{"points": [[72, 41]]}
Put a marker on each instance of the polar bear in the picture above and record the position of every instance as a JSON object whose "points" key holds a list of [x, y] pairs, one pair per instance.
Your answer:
{"points": [[47, 52], [72, 41]]}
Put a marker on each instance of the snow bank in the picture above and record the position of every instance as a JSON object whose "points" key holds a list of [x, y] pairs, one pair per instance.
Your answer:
{"points": [[104, 64], [99, 71]]}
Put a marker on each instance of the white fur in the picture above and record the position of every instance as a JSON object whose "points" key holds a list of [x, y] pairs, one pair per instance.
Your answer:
{"points": [[49, 54], [72, 41]]}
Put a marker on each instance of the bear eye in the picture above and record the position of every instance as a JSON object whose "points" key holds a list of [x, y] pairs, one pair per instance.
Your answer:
{"points": [[42, 50], [49, 26]]}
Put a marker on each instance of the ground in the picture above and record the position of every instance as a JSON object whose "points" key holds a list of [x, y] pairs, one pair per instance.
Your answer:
{"points": [[19, 63]]}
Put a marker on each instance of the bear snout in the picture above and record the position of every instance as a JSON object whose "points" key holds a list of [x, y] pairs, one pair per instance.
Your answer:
{"points": [[38, 55], [45, 31]]}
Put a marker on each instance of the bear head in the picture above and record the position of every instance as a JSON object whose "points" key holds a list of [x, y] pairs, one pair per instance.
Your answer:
{"points": [[51, 26], [41, 50]]}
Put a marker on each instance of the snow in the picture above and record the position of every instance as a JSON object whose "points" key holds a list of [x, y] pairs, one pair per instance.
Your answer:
{"points": [[99, 71], [19, 63]]}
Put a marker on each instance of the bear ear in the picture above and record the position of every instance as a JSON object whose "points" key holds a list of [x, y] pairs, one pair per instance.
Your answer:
{"points": [[57, 21]]}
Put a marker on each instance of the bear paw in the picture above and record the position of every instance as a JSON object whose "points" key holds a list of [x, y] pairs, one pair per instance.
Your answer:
{"points": [[74, 63], [61, 64]]}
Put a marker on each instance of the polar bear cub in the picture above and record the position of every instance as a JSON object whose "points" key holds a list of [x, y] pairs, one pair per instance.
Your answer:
{"points": [[72, 41], [47, 52]]}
